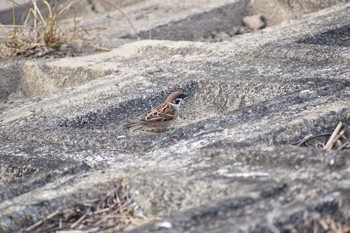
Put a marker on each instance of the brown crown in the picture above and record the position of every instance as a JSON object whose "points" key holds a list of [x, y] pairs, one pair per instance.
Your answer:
{"points": [[173, 96]]}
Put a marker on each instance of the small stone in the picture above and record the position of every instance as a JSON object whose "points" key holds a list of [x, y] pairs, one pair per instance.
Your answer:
{"points": [[165, 224], [254, 22], [307, 94]]}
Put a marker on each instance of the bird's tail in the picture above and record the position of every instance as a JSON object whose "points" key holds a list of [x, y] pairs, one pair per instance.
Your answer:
{"points": [[133, 126]]}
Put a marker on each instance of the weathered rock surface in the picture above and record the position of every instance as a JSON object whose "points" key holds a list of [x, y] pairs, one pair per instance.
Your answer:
{"points": [[228, 165]]}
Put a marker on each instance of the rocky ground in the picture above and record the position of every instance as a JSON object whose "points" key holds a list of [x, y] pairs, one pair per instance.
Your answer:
{"points": [[239, 160]]}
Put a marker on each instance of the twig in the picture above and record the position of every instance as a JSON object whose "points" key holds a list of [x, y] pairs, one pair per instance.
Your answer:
{"points": [[332, 139], [310, 138], [78, 221], [52, 215], [343, 146], [121, 12], [35, 225], [32, 227], [99, 205], [101, 211]]}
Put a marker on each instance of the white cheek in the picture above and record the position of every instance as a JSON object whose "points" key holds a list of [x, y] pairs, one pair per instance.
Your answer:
{"points": [[176, 106]]}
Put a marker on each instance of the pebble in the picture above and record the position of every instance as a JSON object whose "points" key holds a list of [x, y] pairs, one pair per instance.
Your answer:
{"points": [[165, 224], [254, 22]]}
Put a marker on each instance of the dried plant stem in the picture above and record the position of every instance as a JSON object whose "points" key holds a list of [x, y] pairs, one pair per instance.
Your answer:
{"points": [[333, 138], [35, 10], [35, 225], [13, 14], [308, 138], [343, 146], [78, 221], [123, 14], [32, 227]]}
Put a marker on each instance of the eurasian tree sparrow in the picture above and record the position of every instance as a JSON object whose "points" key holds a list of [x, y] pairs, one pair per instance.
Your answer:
{"points": [[161, 117]]}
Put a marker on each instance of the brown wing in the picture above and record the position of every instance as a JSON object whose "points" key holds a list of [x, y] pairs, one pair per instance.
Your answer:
{"points": [[164, 112]]}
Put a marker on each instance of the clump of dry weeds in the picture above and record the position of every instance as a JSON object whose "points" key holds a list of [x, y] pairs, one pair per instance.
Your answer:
{"points": [[42, 32], [112, 211], [338, 140]]}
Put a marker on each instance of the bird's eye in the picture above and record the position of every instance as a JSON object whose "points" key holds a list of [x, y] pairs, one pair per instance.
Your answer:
{"points": [[177, 101]]}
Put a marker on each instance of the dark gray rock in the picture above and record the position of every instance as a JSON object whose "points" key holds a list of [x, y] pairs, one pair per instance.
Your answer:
{"points": [[228, 165]]}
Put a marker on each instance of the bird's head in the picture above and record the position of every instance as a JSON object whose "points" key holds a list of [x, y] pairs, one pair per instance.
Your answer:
{"points": [[175, 99]]}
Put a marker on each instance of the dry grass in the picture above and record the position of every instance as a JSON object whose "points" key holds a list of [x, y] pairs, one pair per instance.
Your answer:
{"points": [[110, 212], [313, 222], [338, 140], [44, 33], [41, 33]]}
